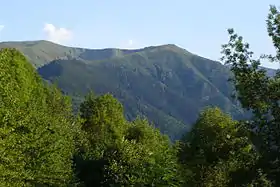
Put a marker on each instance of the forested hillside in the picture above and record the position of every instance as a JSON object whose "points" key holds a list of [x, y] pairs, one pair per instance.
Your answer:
{"points": [[166, 84]]}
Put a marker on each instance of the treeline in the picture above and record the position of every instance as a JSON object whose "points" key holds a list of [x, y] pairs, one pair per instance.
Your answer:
{"points": [[43, 144]]}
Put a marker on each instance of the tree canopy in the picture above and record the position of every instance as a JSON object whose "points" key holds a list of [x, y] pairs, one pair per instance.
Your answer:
{"points": [[35, 127], [259, 93], [123, 153]]}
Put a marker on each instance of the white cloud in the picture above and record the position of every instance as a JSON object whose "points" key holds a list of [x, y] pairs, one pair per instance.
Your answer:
{"points": [[1, 27], [56, 34], [129, 44]]}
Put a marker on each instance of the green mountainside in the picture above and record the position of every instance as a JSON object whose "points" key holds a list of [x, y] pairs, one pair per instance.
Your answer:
{"points": [[42, 52], [167, 84]]}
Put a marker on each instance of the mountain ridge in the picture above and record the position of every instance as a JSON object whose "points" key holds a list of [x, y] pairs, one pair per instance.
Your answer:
{"points": [[49, 51], [38, 43], [167, 84]]}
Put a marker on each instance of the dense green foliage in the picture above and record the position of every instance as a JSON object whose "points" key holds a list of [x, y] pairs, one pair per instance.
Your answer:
{"points": [[42, 142], [121, 152], [36, 143], [217, 152], [260, 94]]}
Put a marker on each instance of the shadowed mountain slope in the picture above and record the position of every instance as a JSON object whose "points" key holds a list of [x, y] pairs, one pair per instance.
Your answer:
{"points": [[167, 84]]}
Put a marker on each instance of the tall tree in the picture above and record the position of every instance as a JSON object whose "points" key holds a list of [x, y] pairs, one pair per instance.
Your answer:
{"points": [[103, 125], [259, 93], [36, 140], [147, 157], [122, 153], [217, 152]]}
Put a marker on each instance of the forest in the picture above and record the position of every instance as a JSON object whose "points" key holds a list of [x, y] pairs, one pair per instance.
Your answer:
{"points": [[44, 143]]}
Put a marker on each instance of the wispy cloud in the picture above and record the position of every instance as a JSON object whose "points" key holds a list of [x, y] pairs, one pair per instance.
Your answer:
{"points": [[57, 34], [129, 44], [1, 27]]}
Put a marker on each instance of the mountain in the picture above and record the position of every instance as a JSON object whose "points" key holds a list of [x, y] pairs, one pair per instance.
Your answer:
{"points": [[42, 52], [167, 84]]}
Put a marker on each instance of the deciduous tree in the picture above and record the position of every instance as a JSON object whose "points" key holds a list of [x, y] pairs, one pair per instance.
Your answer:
{"points": [[259, 93], [36, 143]]}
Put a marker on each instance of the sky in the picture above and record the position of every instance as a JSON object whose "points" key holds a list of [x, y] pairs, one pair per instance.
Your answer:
{"points": [[199, 26]]}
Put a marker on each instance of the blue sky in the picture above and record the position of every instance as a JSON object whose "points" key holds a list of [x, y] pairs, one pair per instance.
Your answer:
{"points": [[198, 25]]}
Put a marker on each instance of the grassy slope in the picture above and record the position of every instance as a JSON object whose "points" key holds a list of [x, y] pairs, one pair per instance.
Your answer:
{"points": [[42, 52]]}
